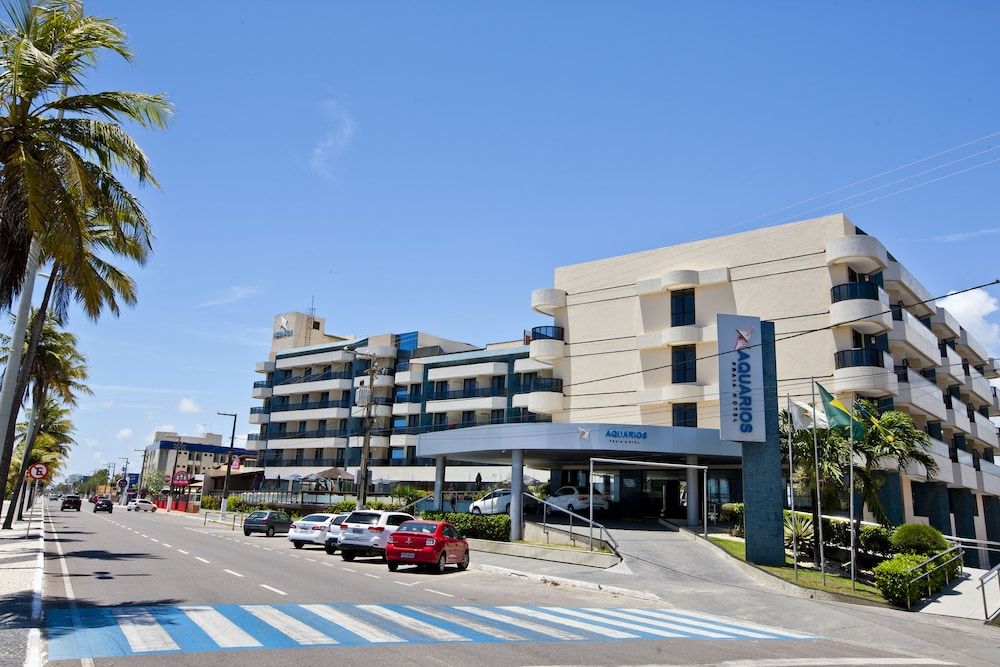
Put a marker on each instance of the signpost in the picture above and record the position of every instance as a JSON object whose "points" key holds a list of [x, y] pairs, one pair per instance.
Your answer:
{"points": [[122, 484], [181, 478], [36, 472]]}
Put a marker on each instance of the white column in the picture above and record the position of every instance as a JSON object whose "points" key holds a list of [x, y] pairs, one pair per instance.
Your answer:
{"points": [[439, 462], [516, 491], [693, 496]]}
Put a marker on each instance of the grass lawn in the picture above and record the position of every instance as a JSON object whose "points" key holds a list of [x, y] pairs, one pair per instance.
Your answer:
{"points": [[807, 578]]}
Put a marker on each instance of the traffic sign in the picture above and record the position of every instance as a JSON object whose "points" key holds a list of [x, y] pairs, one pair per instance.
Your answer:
{"points": [[122, 483], [38, 471], [181, 478]]}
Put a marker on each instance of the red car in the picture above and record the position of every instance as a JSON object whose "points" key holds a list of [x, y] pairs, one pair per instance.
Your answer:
{"points": [[433, 544]]}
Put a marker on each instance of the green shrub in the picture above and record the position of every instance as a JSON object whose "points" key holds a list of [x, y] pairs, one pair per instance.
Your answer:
{"points": [[341, 507], [480, 526], [875, 540], [915, 538], [799, 526], [892, 577], [210, 503], [408, 493], [733, 513], [382, 507]]}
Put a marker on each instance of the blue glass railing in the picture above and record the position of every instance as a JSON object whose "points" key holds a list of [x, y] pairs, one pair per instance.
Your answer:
{"points": [[540, 384], [317, 377], [547, 333], [314, 405], [848, 291], [467, 393], [869, 356]]}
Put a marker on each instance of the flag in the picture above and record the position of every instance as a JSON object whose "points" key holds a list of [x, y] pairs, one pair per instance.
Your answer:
{"points": [[838, 416], [803, 414], [876, 423]]}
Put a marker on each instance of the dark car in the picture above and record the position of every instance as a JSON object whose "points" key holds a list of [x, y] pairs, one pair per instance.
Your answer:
{"points": [[71, 502], [104, 505], [267, 522]]}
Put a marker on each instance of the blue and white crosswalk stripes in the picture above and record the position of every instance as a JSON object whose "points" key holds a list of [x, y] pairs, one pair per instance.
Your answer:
{"points": [[124, 631]]}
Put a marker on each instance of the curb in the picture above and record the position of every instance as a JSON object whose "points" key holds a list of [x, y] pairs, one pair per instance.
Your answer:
{"points": [[570, 583]]}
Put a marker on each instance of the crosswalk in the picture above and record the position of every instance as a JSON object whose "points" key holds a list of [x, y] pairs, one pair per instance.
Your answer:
{"points": [[125, 631]]}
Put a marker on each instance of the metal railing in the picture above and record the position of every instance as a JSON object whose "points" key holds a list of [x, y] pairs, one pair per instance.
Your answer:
{"points": [[415, 502], [983, 580], [956, 553], [607, 537]]}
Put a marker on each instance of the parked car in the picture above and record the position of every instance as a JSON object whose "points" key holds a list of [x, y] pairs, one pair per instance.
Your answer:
{"points": [[333, 533], [365, 532], [268, 522], [140, 505], [498, 502], [310, 529], [427, 543], [53, 496], [72, 502], [575, 500], [104, 505], [92, 499]]}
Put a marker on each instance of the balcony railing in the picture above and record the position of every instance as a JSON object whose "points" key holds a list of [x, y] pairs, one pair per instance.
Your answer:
{"points": [[869, 356], [467, 393], [547, 333], [313, 405], [295, 435], [848, 291], [295, 463], [317, 377], [540, 384], [261, 384]]}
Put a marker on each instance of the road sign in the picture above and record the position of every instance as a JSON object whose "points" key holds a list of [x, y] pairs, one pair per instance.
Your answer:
{"points": [[122, 483], [181, 478], [38, 471], [133, 478]]}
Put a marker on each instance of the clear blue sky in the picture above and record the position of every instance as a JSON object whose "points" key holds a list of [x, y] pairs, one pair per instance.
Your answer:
{"points": [[425, 165]]}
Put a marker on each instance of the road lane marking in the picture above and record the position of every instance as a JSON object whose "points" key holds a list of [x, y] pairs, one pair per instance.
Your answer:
{"points": [[412, 583], [579, 625], [235, 574], [685, 614], [183, 552], [351, 624], [273, 590], [144, 534], [347, 569], [688, 629], [142, 631], [167, 545], [310, 560], [631, 626], [521, 623], [427, 629], [721, 625], [286, 625], [154, 539], [431, 590], [202, 560], [373, 576], [488, 630], [223, 632], [267, 549]]}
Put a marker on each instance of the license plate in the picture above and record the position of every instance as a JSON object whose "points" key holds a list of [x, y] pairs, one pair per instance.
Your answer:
{"points": [[407, 555], [356, 531]]}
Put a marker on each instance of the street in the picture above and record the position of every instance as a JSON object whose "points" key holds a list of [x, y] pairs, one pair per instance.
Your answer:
{"points": [[162, 588]]}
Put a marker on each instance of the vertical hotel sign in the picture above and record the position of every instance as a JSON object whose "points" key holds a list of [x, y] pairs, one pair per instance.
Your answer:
{"points": [[741, 379]]}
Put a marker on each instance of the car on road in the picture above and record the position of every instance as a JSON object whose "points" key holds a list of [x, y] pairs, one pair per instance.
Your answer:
{"points": [[576, 500], [71, 502], [53, 496], [366, 532], [104, 505], [268, 522], [310, 529], [434, 544], [140, 505], [498, 502], [93, 499]]}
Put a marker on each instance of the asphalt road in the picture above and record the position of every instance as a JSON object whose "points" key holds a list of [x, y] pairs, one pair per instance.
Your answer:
{"points": [[162, 589]]}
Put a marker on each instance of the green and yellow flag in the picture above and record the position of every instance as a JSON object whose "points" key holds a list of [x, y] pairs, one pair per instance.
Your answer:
{"points": [[838, 416]]}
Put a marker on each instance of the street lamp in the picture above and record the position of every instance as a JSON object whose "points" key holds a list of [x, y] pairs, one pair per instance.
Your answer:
{"points": [[229, 462]]}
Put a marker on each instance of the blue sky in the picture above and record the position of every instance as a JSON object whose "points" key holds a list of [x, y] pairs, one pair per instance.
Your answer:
{"points": [[426, 165]]}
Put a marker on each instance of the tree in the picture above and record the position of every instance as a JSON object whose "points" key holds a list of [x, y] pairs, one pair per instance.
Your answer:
{"points": [[47, 438]]}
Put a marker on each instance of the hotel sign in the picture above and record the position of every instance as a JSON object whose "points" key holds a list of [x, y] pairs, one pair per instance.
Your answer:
{"points": [[741, 379], [283, 329]]}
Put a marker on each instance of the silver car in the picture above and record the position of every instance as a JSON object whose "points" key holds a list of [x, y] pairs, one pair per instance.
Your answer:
{"points": [[310, 529]]}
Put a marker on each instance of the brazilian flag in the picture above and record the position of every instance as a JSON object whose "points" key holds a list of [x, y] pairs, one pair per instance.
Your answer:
{"points": [[838, 416]]}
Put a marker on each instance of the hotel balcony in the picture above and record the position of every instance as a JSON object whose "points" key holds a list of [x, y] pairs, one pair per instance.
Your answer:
{"points": [[541, 396], [530, 366], [378, 351], [957, 415], [402, 408], [919, 394], [466, 400], [259, 416], [864, 254], [944, 324], [381, 440], [866, 371], [989, 476], [484, 369], [683, 279], [381, 407], [978, 386], [687, 392], [970, 349], [897, 277], [950, 371], [964, 470], [984, 430], [319, 358], [262, 389], [910, 339], [403, 439], [329, 410], [381, 380], [410, 376], [316, 382], [547, 343], [682, 335], [995, 404], [303, 439], [548, 300], [861, 306], [263, 367]]}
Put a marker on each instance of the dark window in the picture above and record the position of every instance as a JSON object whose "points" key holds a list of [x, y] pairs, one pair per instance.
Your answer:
{"points": [[318, 454], [686, 414], [300, 454], [413, 420], [469, 385], [321, 427], [440, 418], [468, 417], [441, 387], [496, 416], [415, 389], [302, 427], [315, 326], [683, 365], [324, 397], [682, 307], [307, 372], [498, 382]]}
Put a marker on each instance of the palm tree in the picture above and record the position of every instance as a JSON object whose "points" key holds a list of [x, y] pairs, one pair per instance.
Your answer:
{"points": [[58, 371], [52, 432], [60, 150]]}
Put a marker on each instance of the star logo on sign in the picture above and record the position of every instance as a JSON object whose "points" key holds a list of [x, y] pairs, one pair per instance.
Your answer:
{"points": [[284, 324], [583, 434], [743, 338]]}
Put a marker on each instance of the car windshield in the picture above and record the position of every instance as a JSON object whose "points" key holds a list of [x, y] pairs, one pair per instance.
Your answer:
{"points": [[316, 518], [363, 517], [257, 515], [418, 527]]}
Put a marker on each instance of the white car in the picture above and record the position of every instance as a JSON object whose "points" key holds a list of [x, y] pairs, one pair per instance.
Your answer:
{"points": [[310, 529], [498, 502], [574, 500], [140, 505], [332, 543], [365, 532]]}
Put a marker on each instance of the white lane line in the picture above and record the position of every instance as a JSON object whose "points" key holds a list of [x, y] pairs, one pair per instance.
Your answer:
{"points": [[294, 556], [310, 560], [273, 590], [286, 625], [793, 662], [656, 614], [579, 625], [267, 549], [431, 590], [223, 632], [347, 569], [431, 631], [684, 614], [144, 535], [373, 576], [628, 626], [468, 623], [328, 564], [520, 623], [235, 574], [688, 629], [183, 552], [202, 560], [154, 539], [360, 628], [412, 583], [257, 546], [167, 545], [142, 631]]}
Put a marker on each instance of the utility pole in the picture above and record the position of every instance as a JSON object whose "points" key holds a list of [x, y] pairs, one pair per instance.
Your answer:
{"points": [[367, 399], [111, 476], [123, 493], [177, 456], [229, 463], [142, 472]]}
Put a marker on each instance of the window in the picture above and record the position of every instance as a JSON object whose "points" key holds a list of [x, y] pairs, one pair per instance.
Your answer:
{"points": [[318, 454], [441, 388], [496, 416], [327, 369], [413, 421], [322, 426], [315, 326], [415, 390], [686, 414], [468, 417], [683, 365], [302, 427], [498, 382], [324, 397], [469, 386], [300, 454], [440, 418], [307, 372], [305, 399], [681, 307], [399, 422]]}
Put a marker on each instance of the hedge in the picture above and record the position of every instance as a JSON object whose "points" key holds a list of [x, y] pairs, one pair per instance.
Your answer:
{"points": [[892, 577], [210, 503], [914, 538], [481, 526], [733, 512]]}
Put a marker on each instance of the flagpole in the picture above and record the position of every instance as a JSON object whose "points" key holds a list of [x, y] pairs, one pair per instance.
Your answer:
{"points": [[791, 492], [851, 487], [819, 491]]}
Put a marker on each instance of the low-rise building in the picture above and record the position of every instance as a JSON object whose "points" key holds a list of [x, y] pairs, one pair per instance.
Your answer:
{"points": [[194, 454]]}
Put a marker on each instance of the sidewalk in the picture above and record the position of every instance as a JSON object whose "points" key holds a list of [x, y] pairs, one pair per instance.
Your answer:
{"points": [[21, 562]]}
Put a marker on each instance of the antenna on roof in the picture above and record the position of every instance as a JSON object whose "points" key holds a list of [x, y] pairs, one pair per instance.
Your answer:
{"points": [[311, 310]]}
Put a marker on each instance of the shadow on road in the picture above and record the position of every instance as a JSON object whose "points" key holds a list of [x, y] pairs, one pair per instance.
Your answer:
{"points": [[102, 554]]}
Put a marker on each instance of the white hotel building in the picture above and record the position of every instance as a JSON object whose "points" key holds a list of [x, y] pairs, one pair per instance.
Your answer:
{"points": [[632, 343]]}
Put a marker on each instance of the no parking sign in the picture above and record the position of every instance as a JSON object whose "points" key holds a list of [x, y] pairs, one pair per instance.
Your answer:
{"points": [[38, 471]]}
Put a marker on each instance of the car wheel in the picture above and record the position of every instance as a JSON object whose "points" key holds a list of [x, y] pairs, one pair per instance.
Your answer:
{"points": [[153, 510], [347, 556], [570, 508], [246, 533], [442, 562], [298, 545], [270, 532], [330, 549], [476, 510], [506, 510], [392, 565], [464, 564]]}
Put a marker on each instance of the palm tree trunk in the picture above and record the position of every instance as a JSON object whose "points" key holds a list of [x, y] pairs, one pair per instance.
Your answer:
{"points": [[37, 401]]}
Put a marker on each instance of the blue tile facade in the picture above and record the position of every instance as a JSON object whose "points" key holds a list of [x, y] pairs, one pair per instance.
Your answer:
{"points": [[891, 496]]}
